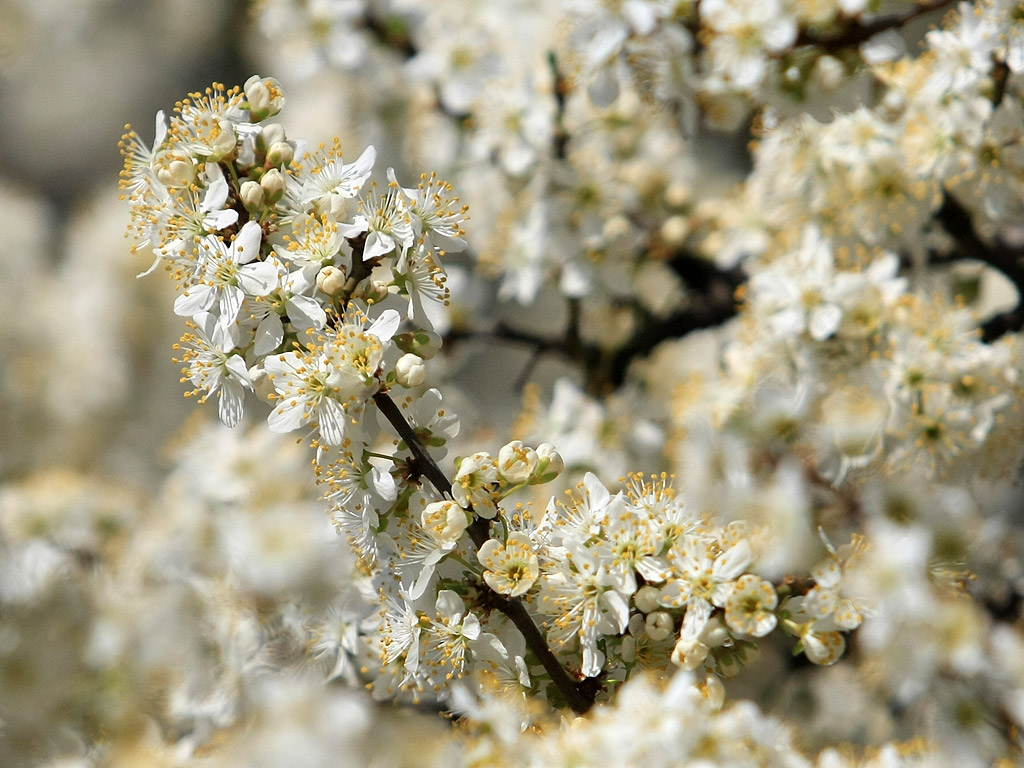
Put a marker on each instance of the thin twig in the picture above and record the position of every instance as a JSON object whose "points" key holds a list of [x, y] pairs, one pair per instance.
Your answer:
{"points": [[425, 465]]}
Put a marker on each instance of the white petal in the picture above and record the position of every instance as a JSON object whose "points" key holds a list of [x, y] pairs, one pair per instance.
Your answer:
{"points": [[231, 403], [305, 313], [384, 327], [258, 279], [377, 245], [269, 334], [235, 366], [825, 320], [285, 418], [246, 245], [194, 300]]}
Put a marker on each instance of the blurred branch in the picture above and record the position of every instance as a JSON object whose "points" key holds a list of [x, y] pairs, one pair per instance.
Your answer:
{"points": [[956, 220], [858, 32]]}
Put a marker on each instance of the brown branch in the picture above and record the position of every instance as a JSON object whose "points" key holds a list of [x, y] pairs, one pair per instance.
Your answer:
{"points": [[860, 32], [956, 220], [425, 466]]}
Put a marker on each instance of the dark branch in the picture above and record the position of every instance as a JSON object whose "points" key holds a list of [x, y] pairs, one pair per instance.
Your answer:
{"points": [[424, 465], [956, 220], [859, 32]]}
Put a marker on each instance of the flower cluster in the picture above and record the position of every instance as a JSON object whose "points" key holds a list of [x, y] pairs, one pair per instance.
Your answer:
{"points": [[769, 252], [282, 271]]}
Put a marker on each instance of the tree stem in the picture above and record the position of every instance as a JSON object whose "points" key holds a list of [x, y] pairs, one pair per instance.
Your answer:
{"points": [[513, 608]]}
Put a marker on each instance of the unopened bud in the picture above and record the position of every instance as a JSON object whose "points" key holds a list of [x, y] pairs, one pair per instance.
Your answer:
{"points": [[517, 462], [280, 153], [274, 185], [271, 134], [659, 625], [330, 280], [410, 371], [646, 598], [425, 344], [374, 291], [265, 97], [674, 230], [174, 173], [677, 195], [549, 466], [222, 141], [251, 195]]}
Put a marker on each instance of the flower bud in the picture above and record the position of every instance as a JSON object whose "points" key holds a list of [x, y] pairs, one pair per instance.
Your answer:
{"points": [[251, 195], [270, 135], [222, 141], [713, 690], [445, 522], [517, 462], [677, 195], [674, 230], [374, 291], [174, 171], [330, 280], [659, 626], [646, 598], [410, 371], [274, 185], [265, 97], [424, 344], [549, 466], [280, 153], [262, 384]]}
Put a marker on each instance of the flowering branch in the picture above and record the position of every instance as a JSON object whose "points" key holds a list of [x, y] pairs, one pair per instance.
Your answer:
{"points": [[512, 607]]}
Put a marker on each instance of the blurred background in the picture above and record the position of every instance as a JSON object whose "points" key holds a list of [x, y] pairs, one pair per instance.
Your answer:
{"points": [[85, 376]]}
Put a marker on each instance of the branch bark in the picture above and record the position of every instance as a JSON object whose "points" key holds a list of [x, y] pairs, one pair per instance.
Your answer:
{"points": [[513, 608]]}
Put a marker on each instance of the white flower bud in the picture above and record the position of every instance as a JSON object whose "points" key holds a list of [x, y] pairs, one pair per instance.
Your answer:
{"points": [[262, 384], [222, 141], [445, 521], [674, 230], [271, 134], [646, 598], [410, 371], [330, 280], [550, 464], [830, 72], [375, 291], [274, 185], [616, 226], [280, 153], [251, 195], [174, 172], [659, 625], [715, 633], [265, 97], [516, 462]]}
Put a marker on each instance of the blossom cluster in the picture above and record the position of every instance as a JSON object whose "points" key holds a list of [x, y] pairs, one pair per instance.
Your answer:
{"points": [[767, 252], [280, 266]]}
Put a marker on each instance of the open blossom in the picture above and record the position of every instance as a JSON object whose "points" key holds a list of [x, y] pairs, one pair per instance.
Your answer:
{"points": [[512, 567], [328, 183], [213, 368], [516, 462], [228, 274], [472, 484], [317, 386], [749, 608], [702, 579]]}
